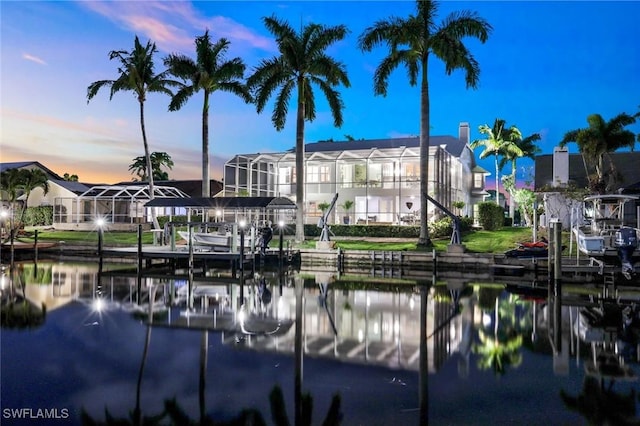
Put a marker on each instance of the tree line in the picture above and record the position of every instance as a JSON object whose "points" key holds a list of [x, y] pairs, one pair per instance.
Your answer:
{"points": [[301, 68]]}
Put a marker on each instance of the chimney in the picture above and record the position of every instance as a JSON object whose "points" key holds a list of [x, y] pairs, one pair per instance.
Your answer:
{"points": [[463, 132], [560, 167]]}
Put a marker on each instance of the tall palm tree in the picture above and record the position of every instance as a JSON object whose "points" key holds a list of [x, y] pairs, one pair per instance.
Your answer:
{"points": [[210, 72], [411, 41], [137, 75], [499, 141], [598, 140], [158, 161], [302, 63], [527, 149]]}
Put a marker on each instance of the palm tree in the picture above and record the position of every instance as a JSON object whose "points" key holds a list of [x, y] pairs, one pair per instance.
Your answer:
{"points": [[32, 179], [499, 141], [158, 161], [597, 141], [526, 149], [411, 40], [302, 63], [210, 72], [136, 74], [16, 183]]}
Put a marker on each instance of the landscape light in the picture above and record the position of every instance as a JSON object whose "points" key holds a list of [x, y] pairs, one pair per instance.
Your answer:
{"points": [[281, 224], [100, 222], [242, 223]]}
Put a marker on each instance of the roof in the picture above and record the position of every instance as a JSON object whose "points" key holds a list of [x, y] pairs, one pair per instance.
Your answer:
{"points": [[29, 164], [192, 188], [626, 164], [75, 187], [453, 145], [273, 203], [138, 192]]}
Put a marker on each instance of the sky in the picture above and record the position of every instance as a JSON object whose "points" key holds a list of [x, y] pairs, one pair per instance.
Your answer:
{"points": [[546, 66]]}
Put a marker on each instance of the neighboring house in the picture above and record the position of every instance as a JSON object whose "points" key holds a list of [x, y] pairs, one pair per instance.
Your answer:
{"points": [[77, 205], [381, 177], [557, 172], [58, 187]]}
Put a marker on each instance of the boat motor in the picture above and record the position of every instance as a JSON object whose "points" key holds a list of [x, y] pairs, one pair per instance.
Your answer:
{"points": [[266, 234], [626, 242]]}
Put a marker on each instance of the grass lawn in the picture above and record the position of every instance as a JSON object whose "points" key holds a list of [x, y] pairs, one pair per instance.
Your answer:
{"points": [[476, 242]]}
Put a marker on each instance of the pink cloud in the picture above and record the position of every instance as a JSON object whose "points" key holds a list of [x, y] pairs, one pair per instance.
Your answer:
{"points": [[173, 25], [32, 58]]}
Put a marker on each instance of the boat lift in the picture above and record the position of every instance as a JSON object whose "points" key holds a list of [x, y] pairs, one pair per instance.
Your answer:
{"points": [[322, 223]]}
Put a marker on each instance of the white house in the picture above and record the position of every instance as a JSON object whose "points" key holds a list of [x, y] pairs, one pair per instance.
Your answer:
{"points": [[380, 176]]}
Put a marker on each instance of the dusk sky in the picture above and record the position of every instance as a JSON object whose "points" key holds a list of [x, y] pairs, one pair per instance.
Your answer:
{"points": [[546, 66]]}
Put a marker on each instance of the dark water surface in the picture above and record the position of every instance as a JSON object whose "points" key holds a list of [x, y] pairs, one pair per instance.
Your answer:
{"points": [[361, 341]]}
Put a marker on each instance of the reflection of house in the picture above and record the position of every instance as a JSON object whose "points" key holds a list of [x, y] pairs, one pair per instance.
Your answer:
{"points": [[381, 177]]}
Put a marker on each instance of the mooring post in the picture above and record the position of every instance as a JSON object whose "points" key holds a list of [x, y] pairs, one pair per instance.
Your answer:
{"points": [[557, 283], [435, 261], [241, 249], [35, 247], [190, 284], [139, 274], [281, 244], [100, 245]]}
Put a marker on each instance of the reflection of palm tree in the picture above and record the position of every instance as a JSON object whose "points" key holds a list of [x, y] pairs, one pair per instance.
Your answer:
{"points": [[501, 350], [16, 311], [136, 417], [602, 406], [498, 354]]}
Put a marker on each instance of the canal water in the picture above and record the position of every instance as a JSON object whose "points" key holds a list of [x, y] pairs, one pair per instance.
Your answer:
{"points": [[211, 349]]}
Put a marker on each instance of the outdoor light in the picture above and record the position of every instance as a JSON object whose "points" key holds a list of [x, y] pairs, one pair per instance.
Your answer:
{"points": [[242, 223], [218, 213], [100, 222], [281, 224], [98, 305], [4, 214]]}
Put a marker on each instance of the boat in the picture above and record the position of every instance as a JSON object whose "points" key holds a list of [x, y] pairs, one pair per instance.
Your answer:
{"points": [[220, 239], [603, 236], [529, 250]]}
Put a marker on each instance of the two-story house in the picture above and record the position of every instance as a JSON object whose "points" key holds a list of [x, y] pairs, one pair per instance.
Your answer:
{"points": [[380, 176]]}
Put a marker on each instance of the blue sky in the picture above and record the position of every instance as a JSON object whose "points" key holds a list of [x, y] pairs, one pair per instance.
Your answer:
{"points": [[546, 66]]}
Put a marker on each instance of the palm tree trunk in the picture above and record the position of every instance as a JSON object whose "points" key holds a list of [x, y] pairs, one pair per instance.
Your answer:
{"points": [[206, 190], [147, 156], [497, 182], [512, 201], [300, 164], [424, 239]]}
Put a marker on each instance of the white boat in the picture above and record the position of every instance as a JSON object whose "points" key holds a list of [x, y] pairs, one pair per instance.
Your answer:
{"points": [[604, 236], [217, 240]]}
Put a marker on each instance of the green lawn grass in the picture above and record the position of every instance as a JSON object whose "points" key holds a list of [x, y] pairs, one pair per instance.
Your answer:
{"points": [[497, 241]]}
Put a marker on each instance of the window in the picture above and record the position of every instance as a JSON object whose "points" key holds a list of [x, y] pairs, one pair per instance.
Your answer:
{"points": [[411, 171], [317, 174], [478, 180]]}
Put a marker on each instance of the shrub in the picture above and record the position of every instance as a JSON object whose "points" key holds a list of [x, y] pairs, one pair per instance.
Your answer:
{"points": [[38, 216], [490, 216]]}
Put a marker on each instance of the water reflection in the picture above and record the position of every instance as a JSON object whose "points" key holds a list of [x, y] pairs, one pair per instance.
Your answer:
{"points": [[431, 336]]}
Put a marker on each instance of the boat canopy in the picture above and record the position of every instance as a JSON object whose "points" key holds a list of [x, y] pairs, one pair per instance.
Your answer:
{"points": [[611, 197], [225, 203]]}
